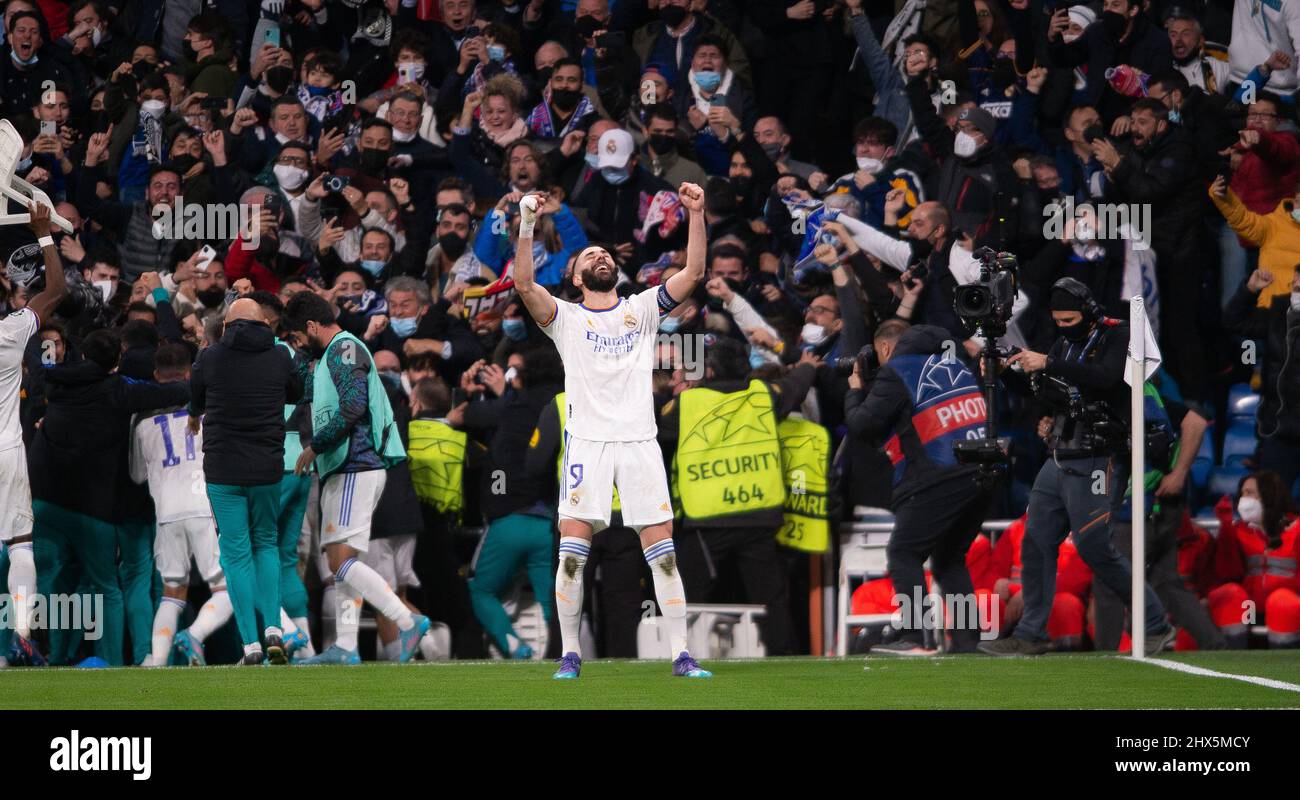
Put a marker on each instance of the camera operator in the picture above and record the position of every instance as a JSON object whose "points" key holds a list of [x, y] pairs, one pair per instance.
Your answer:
{"points": [[1084, 480], [921, 402]]}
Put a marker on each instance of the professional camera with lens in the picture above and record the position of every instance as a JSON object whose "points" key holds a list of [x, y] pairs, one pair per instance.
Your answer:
{"points": [[865, 360], [1095, 426], [1079, 425], [986, 304]]}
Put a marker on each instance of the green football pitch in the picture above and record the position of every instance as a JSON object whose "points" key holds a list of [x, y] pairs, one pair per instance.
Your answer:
{"points": [[962, 682]]}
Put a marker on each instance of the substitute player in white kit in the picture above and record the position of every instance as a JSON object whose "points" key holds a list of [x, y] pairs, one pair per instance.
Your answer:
{"points": [[166, 453], [607, 344], [15, 489]]}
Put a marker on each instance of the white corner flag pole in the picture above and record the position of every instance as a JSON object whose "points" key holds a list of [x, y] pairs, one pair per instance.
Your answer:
{"points": [[1137, 374]]}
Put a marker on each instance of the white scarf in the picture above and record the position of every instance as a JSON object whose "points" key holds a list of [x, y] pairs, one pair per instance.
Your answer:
{"points": [[700, 102]]}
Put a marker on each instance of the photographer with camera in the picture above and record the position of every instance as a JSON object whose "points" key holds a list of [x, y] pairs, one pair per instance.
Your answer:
{"points": [[921, 402], [1079, 488]]}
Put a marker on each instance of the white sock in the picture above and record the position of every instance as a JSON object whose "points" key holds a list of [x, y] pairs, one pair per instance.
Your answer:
{"points": [[329, 612], [568, 591], [375, 591], [286, 623], [22, 586], [272, 630], [669, 591], [165, 620], [213, 615], [513, 642], [349, 615], [429, 647], [393, 650], [255, 647]]}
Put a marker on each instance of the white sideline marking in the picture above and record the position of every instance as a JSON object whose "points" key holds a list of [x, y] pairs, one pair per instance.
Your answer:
{"points": [[1209, 673]]}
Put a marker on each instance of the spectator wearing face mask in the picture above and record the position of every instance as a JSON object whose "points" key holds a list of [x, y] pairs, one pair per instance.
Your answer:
{"points": [[1277, 324], [661, 147], [31, 66], [90, 40], [974, 179], [416, 324], [410, 75], [451, 261], [1254, 561], [612, 198], [413, 157], [881, 169], [1126, 36], [672, 39], [774, 137], [563, 104], [209, 36], [1112, 268], [716, 105]]}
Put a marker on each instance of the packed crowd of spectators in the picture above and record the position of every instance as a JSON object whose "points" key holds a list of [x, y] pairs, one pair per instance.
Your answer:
{"points": [[854, 155]]}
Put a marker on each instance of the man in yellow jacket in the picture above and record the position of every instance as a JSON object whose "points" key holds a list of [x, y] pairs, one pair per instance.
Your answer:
{"points": [[1277, 235]]}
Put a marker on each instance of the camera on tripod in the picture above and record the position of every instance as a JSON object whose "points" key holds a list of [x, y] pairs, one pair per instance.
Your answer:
{"points": [[987, 303]]}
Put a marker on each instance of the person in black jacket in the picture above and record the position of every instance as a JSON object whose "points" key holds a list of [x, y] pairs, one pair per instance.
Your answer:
{"points": [[516, 503], [921, 402], [1125, 35], [1279, 325], [1160, 171], [1082, 484], [78, 465], [239, 389]]}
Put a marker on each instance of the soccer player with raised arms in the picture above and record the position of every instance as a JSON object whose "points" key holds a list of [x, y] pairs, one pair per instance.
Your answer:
{"points": [[607, 344]]}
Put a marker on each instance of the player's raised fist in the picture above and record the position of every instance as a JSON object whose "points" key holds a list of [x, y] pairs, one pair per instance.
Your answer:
{"points": [[528, 205], [692, 197]]}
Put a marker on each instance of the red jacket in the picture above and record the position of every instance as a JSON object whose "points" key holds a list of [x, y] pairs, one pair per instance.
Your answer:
{"points": [[1195, 557], [1073, 575], [241, 262], [1243, 554], [1268, 172]]}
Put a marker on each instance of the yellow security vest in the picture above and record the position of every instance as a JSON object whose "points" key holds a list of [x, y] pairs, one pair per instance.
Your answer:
{"points": [[560, 408], [805, 460], [437, 454], [728, 458]]}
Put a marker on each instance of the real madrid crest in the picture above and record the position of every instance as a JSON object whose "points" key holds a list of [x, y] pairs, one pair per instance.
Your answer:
{"points": [[629, 320]]}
